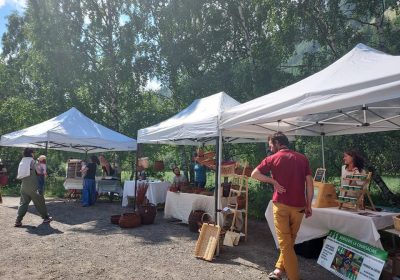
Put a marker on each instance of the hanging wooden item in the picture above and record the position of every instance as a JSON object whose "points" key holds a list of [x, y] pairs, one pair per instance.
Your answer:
{"points": [[159, 165]]}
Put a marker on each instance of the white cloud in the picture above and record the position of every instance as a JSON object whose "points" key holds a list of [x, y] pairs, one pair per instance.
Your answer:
{"points": [[20, 4]]}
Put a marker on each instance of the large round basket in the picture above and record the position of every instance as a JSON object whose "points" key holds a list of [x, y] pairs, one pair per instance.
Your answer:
{"points": [[115, 219], [147, 213], [196, 219], [130, 220]]}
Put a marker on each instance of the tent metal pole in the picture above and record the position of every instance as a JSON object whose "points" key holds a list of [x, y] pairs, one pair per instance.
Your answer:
{"points": [[138, 151], [323, 150], [46, 149], [218, 160], [217, 177]]}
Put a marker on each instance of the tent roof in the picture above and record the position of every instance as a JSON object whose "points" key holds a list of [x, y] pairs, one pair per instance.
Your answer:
{"points": [[70, 131], [358, 93], [198, 123]]}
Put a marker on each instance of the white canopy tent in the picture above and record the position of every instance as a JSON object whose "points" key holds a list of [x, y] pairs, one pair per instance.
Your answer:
{"points": [[197, 124], [359, 93], [70, 131]]}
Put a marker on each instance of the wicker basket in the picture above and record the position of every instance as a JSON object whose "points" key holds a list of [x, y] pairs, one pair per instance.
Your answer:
{"points": [[147, 213], [228, 168], [194, 220], [207, 242], [396, 222], [115, 219], [241, 202], [130, 220], [247, 171]]}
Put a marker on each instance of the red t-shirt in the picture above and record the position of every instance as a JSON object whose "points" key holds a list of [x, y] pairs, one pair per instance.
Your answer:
{"points": [[289, 169]]}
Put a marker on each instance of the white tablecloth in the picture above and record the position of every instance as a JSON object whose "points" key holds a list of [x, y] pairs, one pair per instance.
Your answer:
{"points": [[363, 228], [102, 186], [156, 193], [179, 205]]}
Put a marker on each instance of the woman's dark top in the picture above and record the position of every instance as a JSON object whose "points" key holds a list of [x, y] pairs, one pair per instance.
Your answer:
{"points": [[112, 171], [91, 173]]}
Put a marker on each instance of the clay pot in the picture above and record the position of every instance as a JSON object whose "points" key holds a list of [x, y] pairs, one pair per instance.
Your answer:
{"points": [[226, 187]]}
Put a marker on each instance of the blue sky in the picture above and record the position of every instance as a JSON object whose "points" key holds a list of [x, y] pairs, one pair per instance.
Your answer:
{"points": [[6, 8]]}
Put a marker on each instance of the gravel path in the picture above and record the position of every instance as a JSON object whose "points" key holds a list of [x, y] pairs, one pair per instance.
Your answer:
{"points": [[81, 243]]}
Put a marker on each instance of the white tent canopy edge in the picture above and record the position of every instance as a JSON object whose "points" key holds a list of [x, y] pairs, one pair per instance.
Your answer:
{"points": [[70, 131], [359, 93]]}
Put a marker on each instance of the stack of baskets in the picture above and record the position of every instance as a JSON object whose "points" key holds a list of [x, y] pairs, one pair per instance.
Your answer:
{"points": [[206, 159], [228, 168]]}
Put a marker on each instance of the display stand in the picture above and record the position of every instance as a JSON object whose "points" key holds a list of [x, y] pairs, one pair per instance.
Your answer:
{"points": [[236, 203], [73, 177], [352, 196]]}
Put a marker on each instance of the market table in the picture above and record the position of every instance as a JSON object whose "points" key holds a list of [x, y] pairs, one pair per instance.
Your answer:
{"points": [[362, 225], [156, 192], [75, 185], [178, 205]]}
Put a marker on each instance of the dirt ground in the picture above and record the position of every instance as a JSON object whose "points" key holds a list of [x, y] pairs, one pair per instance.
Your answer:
{"points": [[81, 243]]}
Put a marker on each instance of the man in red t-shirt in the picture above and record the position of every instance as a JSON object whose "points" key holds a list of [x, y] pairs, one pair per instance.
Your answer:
{"points": [[293, 193]]}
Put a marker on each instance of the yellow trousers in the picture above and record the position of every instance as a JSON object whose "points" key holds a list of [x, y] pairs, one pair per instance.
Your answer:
{"points": [[287, 222]]}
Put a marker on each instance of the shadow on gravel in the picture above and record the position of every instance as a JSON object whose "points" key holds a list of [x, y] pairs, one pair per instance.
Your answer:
{"points": [[43, 230]]}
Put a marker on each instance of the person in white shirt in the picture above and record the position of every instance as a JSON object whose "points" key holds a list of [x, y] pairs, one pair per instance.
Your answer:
{"points": [[41, 172], [29, 189], [353, 164]]}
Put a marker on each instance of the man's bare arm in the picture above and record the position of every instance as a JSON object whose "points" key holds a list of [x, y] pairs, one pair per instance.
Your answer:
{"points": [[309, 195], [256, 174]]}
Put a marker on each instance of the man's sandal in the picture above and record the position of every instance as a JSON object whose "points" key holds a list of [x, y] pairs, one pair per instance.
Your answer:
{"points": [[274, 276], [18, 224]]}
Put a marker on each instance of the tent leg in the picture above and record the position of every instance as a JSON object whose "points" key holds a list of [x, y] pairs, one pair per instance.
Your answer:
{"points": [[323, 150], [138, 151], [218, 160]]}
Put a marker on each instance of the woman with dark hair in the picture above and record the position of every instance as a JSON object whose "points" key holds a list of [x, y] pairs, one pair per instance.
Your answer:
{"points": [[353, 164], [106, 166], [89, 194], [29, 189]]}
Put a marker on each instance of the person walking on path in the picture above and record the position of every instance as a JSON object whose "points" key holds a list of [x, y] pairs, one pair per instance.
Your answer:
{"points": [[29, 189], [293, 193], [89, 193]]}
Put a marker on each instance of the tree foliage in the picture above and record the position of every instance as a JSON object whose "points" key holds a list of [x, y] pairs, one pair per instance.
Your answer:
{"points": [[98, 55]]}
